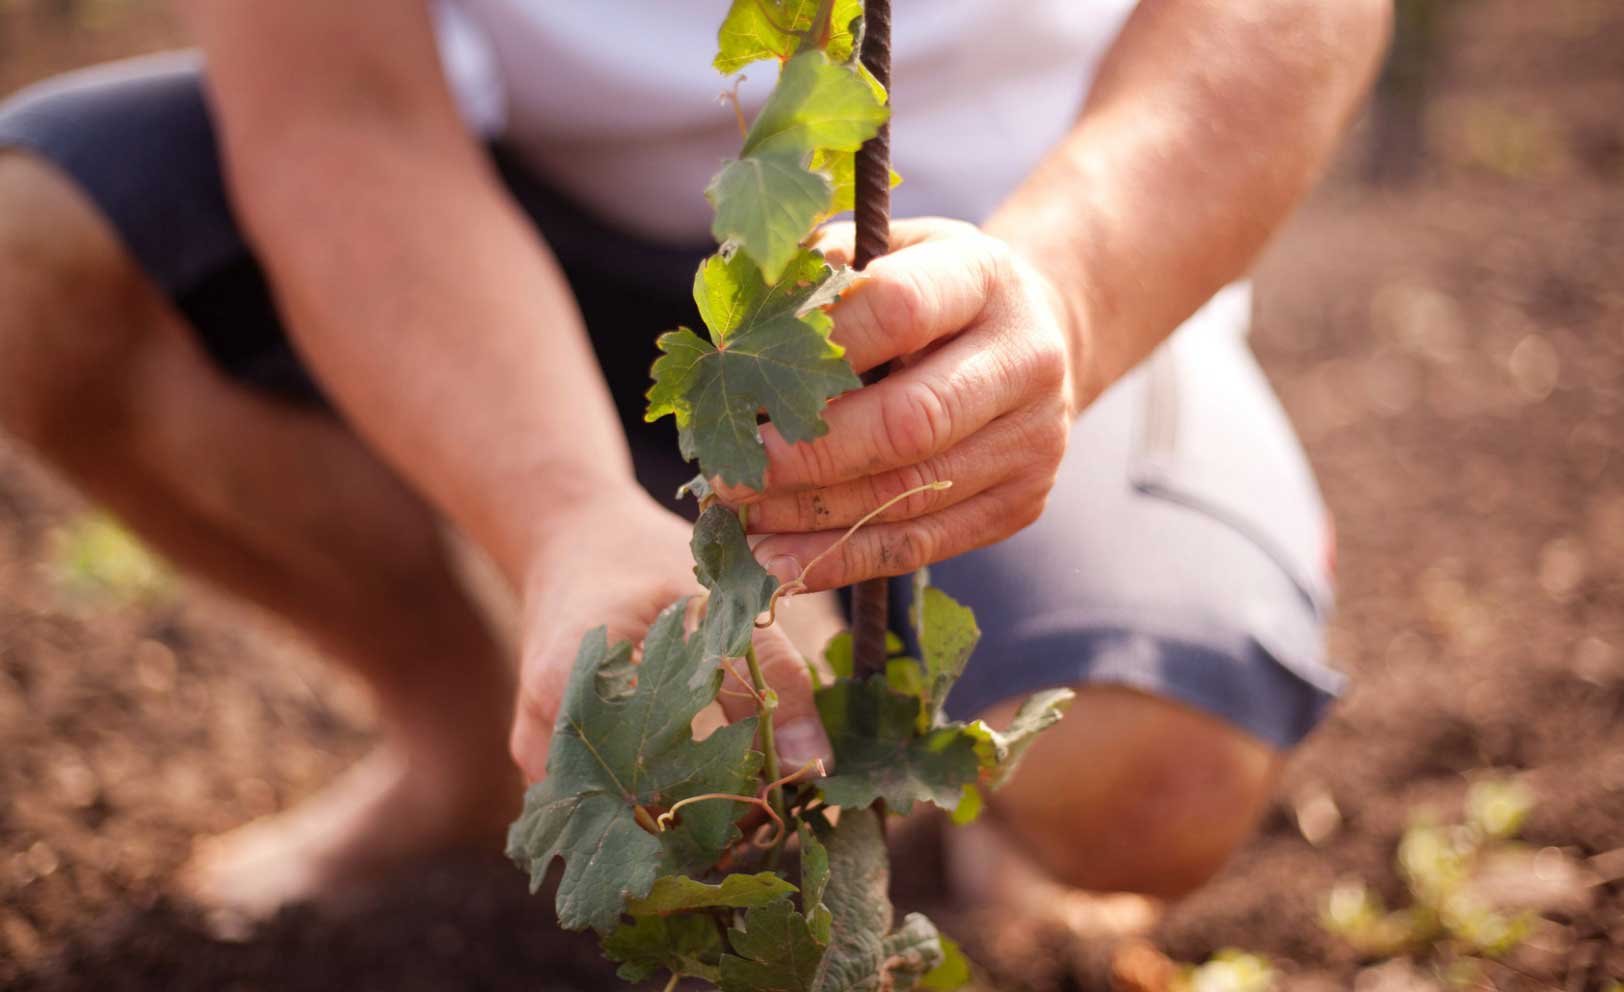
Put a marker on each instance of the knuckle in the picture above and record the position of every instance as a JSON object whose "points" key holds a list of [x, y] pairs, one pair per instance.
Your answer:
{"points": [[1052, 444], [899, 308], [918, 546], [805, 463], [916, 422], [913, 480], [1049, 365]]}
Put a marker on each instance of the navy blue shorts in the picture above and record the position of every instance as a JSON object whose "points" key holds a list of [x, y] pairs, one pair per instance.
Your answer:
{"points": [[1184, 549]]}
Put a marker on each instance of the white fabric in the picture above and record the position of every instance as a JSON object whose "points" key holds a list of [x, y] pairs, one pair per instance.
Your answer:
{"points": [[615, 101]]}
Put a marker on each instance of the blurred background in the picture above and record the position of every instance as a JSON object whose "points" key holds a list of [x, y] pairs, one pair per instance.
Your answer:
{"points": [[1445, 322]]}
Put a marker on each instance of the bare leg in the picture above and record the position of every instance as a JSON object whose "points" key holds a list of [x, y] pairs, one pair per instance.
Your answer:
{"points": [[1130, 793], [281, 506]]}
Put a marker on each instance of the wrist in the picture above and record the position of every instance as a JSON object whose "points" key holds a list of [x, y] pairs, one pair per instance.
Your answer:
{"points": [[557, 501], [1070, 304], [610, 509]]}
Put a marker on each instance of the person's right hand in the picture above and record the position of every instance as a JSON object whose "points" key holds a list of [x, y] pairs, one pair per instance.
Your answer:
{"points": [[617, 562]]}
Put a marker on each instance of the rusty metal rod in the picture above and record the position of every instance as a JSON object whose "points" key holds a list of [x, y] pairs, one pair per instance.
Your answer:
{"points": [[871, 599]]}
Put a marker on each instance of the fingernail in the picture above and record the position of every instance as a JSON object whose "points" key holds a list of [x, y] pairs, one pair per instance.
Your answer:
{"points": [[800, 742], [784, 568]]}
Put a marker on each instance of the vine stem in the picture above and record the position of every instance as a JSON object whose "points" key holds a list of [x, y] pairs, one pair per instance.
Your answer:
{"points": [[671, 986], [769, 749]]}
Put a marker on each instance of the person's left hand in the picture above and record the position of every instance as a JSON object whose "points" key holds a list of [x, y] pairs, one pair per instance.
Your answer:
{"points": [[979, 393]]}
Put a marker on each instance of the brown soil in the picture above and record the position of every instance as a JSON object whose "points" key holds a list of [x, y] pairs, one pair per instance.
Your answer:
{"points": [[1453, 353]]}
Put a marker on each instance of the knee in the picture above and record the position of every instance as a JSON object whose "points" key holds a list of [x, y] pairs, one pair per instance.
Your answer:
{"points": [[66, 303], [1131, 793]]}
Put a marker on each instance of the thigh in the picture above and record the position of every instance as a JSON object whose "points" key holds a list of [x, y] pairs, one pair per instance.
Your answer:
{"points": [[1182, 553], [136, 138]]}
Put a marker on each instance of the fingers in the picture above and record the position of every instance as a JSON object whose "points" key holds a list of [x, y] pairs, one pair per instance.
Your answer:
{"points": [[972, 467], [900, 548], [798, 730], [916, 296], [913, 414], [836, 239]]}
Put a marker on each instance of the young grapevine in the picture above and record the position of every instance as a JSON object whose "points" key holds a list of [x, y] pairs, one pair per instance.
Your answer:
{"points": [[644, 817]]}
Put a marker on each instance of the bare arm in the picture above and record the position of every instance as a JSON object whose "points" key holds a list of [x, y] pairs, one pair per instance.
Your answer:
{"points": [[1207, 123], [423, 301]]}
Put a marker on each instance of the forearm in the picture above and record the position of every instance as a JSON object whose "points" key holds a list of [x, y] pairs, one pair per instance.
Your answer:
{"points": [[440, 326], [1207, 123]]}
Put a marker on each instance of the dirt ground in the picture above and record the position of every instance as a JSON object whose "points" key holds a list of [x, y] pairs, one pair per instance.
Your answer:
{"points": [[1451, 346]]}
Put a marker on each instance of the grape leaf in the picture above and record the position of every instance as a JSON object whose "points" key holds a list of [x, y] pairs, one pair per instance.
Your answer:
{"points": [[841, 168], [947, 634], [881, 754], [912, 952], [769, 29], [952, 973], [814, 876], [623, 742], [675, 893], [773, 952], [755, 30], [767, 203], [682, 945], [731, 294], [1001, 752], [971, 806], [739, 586], [817, 105], [838, 652], [774, 359]]}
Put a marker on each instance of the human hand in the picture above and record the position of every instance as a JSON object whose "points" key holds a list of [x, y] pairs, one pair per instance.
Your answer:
{"points": [[980, 393], [618, 562]]}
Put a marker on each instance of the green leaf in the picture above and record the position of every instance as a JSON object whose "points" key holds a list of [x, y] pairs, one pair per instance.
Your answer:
{"points": [[912, 952], [769, 357], [906, 676], [838, 652], [698, 487], [767, 203], [682, 945], [952, 973], [732, 296], [841, 168], [623, 742], [755, 30], [947, 634], [739, 586], [846, 25], [880, 753], [971, 806], [817, 105], [768, 29], [814, 871], [773, 952], [1001, 753], [675, 893]]}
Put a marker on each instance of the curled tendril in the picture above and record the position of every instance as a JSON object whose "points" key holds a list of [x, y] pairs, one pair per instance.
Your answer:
{"points": [[776, 822], [798, 583]]}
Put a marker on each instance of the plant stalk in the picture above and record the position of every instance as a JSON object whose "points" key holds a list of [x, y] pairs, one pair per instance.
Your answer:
{"points": [[871, 598], [769, 749]]}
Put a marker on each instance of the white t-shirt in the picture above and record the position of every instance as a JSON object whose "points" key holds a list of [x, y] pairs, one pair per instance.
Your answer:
{"points": [[616, 104]]}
